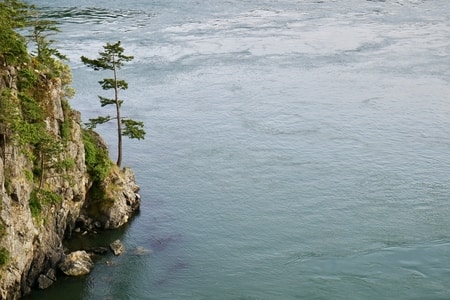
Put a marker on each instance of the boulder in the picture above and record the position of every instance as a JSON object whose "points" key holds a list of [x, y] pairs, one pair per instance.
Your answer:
{"points": [[117, 247], [77, 263], [47, 279]]}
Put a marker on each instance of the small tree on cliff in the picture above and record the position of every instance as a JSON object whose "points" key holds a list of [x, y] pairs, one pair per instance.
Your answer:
{"points": [[13, 15], [112, 58]]}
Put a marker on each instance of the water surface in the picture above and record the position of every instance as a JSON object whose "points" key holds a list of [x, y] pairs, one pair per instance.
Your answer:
{"points": [[294, 149]]}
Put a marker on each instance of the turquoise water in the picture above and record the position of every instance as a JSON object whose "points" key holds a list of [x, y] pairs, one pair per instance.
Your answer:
{"points": [[294, 150]]}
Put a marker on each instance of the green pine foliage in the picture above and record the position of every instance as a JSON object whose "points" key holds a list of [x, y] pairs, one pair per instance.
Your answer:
{"points": [[13, 49]]}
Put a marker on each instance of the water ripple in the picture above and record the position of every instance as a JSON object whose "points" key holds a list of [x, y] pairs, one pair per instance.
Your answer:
{"points": [[94, 15]]}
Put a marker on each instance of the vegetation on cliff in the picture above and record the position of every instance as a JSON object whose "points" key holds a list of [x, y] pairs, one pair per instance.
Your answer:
{"points": [[13, 15], [26, 113], [98, 163], [55, 175]]}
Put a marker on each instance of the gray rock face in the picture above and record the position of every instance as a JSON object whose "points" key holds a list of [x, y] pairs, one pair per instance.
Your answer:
{"points": [[77, 263], [121, 203], [117, 247]]}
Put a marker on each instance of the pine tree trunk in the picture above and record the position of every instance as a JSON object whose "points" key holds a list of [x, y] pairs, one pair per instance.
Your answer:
{"points": [[119, 121]]}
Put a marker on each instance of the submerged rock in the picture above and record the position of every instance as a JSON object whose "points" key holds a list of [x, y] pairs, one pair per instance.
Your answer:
{"points": [[98, 250], [77, 263], [117, 247], [142, 251]]}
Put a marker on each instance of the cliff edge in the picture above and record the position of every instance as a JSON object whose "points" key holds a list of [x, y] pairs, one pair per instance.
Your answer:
{"points": [[54, 176]]}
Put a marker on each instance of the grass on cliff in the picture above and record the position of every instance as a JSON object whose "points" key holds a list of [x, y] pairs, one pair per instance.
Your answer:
{"points": [[38, 199], [97, 158], [4, 253], [2, 229], [4, 256]]}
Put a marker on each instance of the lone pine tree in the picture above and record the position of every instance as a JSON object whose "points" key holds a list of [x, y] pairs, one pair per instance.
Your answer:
{"points": [[112, 58]]}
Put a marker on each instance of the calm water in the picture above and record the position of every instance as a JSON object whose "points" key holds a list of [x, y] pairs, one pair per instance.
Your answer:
{"points": [[295, 149]]}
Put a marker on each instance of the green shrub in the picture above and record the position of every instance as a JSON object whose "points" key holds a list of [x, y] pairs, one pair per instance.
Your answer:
{"points": [[39, 198], [65, 164], [4, 256], [28, 78], [9, 115], [2, 230], [35, 205], [66, 125], [31, 110], [97, 158], [49, 197], [13, 47], [29, 175]]}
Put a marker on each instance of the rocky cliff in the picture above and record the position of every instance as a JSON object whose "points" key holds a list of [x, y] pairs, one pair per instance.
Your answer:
{"points": [[47, 187]]}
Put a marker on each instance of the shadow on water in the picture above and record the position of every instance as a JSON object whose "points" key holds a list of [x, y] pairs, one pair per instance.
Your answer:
{"points": [[102, 238], [161, 243], [75, 288], [177, 267], [111, 277]]}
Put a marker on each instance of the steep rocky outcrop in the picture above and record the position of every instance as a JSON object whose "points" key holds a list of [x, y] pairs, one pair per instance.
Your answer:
{"points": [[118, 200], [32, 229]]}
